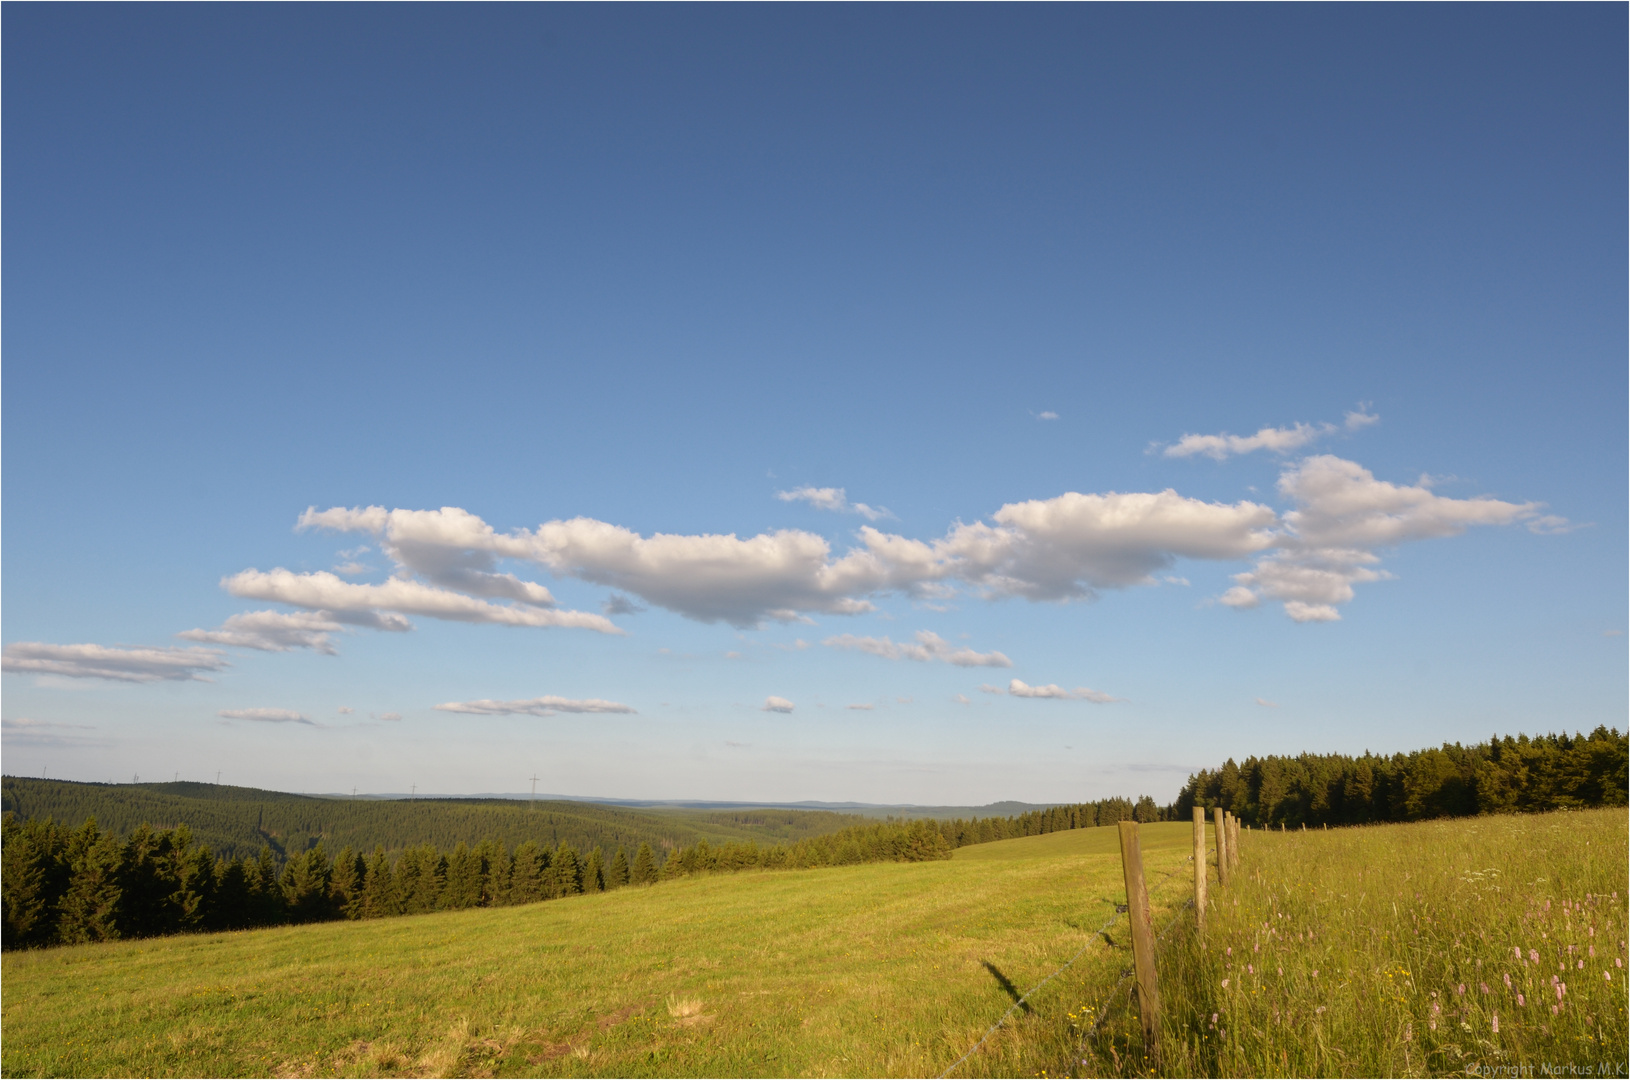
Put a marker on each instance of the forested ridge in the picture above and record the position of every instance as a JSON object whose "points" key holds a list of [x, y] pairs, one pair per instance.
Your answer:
{"points": [[236, 822], [1513, 774], [63, 885]]}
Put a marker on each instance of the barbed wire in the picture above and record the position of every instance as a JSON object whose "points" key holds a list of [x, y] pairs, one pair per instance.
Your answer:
{"points": [[1017, 1005]]}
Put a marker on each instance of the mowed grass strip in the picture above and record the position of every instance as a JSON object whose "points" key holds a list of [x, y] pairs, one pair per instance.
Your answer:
{"points": [[875, 970], [1479, 946]]}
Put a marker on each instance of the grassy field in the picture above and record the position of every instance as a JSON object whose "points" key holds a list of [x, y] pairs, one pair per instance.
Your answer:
{"points": [[1431, 949], [891, 969], [1356, 952]]}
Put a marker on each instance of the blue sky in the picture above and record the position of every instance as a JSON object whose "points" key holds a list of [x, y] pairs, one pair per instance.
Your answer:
{"points": [[654, 300]]}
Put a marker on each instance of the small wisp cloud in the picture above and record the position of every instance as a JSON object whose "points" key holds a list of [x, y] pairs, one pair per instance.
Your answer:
{"points": [[548, 705]]}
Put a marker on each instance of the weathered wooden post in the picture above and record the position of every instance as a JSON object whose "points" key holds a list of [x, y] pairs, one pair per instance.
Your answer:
{"points": [[1233, 842], [1219, 815], [1200, 867], [1143, 938]]}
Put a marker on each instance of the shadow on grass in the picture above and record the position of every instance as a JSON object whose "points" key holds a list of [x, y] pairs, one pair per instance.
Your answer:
{"points": [[1006, 983]]}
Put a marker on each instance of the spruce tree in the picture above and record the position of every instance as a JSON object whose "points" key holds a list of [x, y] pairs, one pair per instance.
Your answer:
{"points": [[34, 877], [594, 873], [379, 898], [568, 872], [644, 871], [90, 910], [463, 887], [306, 881], [526, 885], [345, 887], [617, 876]]}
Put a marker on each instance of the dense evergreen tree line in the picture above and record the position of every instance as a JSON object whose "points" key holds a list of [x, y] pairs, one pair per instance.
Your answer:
{"points": [[960, 833], [236, 822], [1519, 774]]}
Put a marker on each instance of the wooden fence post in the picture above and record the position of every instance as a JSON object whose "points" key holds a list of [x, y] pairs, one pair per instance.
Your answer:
{"points": [[1218, 814], [1200, 867], [1143, 938], [1233, 842]]}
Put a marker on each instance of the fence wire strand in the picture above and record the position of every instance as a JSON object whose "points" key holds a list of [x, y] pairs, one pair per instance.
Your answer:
{"points": [[1096, 934]]}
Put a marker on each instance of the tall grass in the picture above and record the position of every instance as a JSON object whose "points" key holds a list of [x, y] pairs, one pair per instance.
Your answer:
{"points": [[1487, 946]]}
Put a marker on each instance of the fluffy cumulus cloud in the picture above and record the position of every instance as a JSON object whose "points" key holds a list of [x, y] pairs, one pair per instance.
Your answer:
{"points": [[548, 705], [833, 499], [927, 646], [112, 662], [1069, 547], [1342, 515], [777, 704], [266, 716]]}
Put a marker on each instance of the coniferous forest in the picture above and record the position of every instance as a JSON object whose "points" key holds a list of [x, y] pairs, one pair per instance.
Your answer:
{"points": [[64, 885], [1519, 774]]}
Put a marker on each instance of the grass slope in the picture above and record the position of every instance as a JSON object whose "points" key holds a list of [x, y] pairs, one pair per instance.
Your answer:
{"points": [[892, 969], [1479, 946], [234, 821], [1343, 953]]}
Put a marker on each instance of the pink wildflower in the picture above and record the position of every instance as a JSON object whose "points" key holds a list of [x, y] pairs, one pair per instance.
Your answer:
{"points": [[1517, 951], [1485, 987], [1230, 950], [1608, 975], [1521, 1000], [1249, 970], [1508, 980], [1496, 1023], [1533, 955], [1225, 984], [1315, 973], [1593, 952], [1281, 971], [1461, 989], [1555, 1009]]}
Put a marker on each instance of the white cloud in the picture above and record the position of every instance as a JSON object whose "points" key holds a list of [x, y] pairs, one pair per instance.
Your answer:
{"points": [[1301, 612], [861, 708], [1065, 548], [386, 716], [963, 699], [987, 688], [277, 631], [1277, 440], [1343, 513], [345, 710], [833, 499], [1266, 704], [1360, 418], [547, 705], [1173, 579], [928, 646], [267, 716], [322, 591], [777, 704], [117, 663], [351, 569], [1017, 688], [1048, 415]]}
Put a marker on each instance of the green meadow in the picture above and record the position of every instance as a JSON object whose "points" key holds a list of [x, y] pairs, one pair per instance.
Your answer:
{"points": [[1353, 952], [873, 970]]}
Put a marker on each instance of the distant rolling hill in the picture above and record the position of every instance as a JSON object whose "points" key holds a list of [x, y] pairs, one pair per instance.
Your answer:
{"points": [[237, 821]]}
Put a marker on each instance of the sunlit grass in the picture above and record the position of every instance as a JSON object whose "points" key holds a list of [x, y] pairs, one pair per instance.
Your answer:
{"points": [[1399, 950], [874, 970]]}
